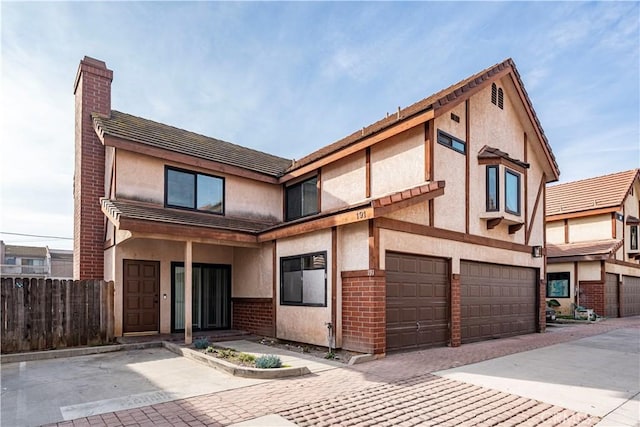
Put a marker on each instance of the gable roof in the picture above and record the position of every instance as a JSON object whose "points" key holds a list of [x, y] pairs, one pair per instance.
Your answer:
{"points": [[435, 102], [607, 191], [600, 249], [159, 135]]}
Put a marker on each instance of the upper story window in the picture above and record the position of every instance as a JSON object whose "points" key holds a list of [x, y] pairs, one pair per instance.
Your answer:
{"points": [[451, 142], [512, 192], [493, 189], [634, 237], [303, 280], [192, 190], [301, 199]]}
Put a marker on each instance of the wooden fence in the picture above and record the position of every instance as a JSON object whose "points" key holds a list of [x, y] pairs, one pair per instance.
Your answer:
{"points": [[42, 314]]}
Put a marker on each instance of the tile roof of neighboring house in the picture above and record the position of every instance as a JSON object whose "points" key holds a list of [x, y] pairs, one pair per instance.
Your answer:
{"points": [[167, 137], [592, 193], [25, 251], [119, 209], [599, 247], [487, 152], [435, 102]]}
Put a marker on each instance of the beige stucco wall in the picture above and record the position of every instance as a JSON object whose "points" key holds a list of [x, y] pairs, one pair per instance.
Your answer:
{"points": [[398, 163], [456, 251], [344, 182], [595, 227], [140, 177], [252, 272], [555, 232], [622, 269], [589, 270], [418, 214], [632, 208], [449, 165], [566, 306], [302, 323], [353, 247]]}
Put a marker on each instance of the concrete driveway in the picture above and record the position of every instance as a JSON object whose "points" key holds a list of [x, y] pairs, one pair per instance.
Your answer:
{"points": [[47, 391], [598, 375]]}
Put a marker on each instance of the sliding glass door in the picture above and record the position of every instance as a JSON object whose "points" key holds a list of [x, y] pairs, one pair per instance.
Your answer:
{"points": [[211, 296]]}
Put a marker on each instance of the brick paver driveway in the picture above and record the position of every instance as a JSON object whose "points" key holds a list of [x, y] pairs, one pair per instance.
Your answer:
{"points": [[398, 390]]}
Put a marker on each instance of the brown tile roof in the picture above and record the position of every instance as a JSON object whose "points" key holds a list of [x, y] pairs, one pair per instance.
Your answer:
{"points": [[593, 248], [487, 152], [120, 209], [167, 137], [435, 102], [592, 193], [407, 194]]}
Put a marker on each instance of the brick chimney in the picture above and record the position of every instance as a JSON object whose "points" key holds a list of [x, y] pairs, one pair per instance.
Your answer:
{"points": [[92, 90]]}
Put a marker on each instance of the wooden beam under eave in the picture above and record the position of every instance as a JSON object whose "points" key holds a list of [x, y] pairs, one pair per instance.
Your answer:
{"points": [[493, 222], [513, 228], [368, 141], [582, 214], [335, 220], [182, 232]]}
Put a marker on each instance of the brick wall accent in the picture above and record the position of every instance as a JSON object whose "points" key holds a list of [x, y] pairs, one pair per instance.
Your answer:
{"points": [[542, 305], [592, 296], [364, 311], [92, 92], [253, 315], [456, 336]]}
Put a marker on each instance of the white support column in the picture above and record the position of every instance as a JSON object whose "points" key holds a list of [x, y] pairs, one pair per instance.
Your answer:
{"points": [[188, 292]]}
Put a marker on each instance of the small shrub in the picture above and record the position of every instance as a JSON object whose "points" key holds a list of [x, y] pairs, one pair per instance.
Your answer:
{"points": [[227, 353], [268, 361], [201, 343], [330, 355], [246, 358]]}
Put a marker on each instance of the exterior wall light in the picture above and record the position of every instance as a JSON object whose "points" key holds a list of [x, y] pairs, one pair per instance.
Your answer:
{"points": [[536, 251]]}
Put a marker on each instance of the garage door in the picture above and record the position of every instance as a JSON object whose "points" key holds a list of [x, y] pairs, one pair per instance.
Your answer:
{"points": [[417, 301], [630, 296], [496, 301], [611, 295]]}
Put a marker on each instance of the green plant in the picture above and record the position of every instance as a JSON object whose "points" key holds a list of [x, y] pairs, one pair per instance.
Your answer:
{"points": [[201, 343], [246, 358], [268, 361], [330, 355]]}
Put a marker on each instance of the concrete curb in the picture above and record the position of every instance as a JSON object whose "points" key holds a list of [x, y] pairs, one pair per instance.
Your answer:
{"points": [[72, 352], [238, 371]]}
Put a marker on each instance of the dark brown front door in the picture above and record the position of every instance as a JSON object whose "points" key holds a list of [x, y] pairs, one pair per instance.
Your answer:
{"points": [[496, 301], [417, 301], [141, 289]]}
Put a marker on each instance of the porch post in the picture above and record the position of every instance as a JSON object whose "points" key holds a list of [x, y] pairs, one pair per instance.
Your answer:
{"points": [[188, 286]]}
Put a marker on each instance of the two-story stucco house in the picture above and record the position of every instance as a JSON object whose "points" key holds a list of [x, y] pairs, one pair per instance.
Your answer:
{"points": [[425, 228], [592, 253]]}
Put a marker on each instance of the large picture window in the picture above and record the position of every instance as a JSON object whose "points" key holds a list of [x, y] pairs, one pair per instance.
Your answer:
{"points": [[303, 280], [302, 199], [191, 190], [493, 185], [558, 285], [512, 192]]}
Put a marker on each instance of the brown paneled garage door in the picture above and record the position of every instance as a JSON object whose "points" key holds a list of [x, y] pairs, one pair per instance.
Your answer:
{"points": [[496, 301], [630, 296], [611, 295], [417, 301]]}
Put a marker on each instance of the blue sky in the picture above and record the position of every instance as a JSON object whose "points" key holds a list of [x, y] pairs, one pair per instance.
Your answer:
{"points": [[288, 78]]}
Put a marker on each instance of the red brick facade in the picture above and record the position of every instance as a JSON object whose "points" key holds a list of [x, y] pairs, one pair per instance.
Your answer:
{"points": [[592, 296], [253, 315], [93, 95], [456, 336], [364, 311], [542, 306]]}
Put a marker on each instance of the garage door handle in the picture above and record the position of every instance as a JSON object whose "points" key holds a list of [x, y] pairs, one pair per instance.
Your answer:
{"points": [[417, 326]]}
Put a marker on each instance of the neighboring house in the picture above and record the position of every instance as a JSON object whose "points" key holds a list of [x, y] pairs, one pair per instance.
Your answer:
{"points": [[592, 244], [35, 261], [425, 228]]}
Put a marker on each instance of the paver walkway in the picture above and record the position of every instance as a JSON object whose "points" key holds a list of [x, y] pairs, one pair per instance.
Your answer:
{"points": [[398, 390]]}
